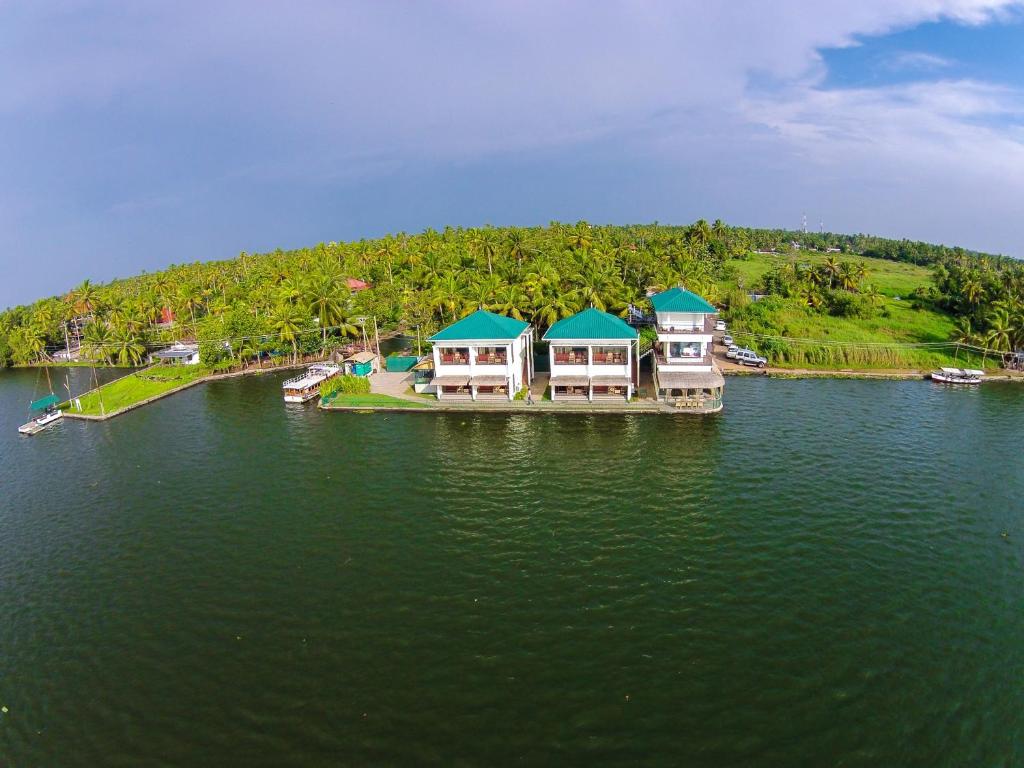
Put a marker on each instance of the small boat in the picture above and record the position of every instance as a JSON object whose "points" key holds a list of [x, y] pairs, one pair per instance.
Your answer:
{"points": [[304, 388], [958, 376], [51, 414]]}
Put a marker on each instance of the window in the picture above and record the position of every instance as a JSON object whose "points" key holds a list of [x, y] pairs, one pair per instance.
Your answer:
{"points": [[684, 349], [610, 355], [491, 355], [455, 356], [570, 355]]}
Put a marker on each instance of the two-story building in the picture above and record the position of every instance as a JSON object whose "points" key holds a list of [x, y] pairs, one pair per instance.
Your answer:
{"points": [[685, 374], [593, 357], [483, 356]]}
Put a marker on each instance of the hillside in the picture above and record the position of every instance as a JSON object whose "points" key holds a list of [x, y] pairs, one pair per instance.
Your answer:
{"points": [[849, 300]]}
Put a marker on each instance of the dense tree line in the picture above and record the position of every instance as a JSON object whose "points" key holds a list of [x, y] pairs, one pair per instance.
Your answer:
{"points": [[910, 251], [288, 302], [292, 302], [987, 296]]}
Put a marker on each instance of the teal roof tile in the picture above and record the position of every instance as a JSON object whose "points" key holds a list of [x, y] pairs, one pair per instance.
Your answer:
{"points": [[681, 300], [484, 326], [591, 324]]}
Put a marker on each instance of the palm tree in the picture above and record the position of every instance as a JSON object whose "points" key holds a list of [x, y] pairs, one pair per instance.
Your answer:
{"points": [[973, 291], [96, 340], [1000, 330], [510, 301], [325, 297], [579, 237], [84, 298], [28, 344], [188, 298], [485, 243], [551, 309], [288, 321], [447, 295], [700, 232], [517, 245], [831, 270], [126, 348]]}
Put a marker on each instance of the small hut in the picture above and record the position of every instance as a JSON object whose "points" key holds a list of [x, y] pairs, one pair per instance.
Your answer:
{"points": [[362, 364]]}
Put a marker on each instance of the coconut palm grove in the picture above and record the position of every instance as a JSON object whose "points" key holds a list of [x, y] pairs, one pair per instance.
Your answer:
{"points": [[286, 303]]}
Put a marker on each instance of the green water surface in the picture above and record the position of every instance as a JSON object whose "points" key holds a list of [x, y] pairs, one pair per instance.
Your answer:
{"points": [[818, 576]]}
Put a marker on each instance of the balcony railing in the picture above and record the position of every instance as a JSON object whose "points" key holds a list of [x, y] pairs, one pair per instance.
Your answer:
{"points": [[698, 360], [570, 358], [610, 359], [492, 359], [708, 326], [455, 359]]}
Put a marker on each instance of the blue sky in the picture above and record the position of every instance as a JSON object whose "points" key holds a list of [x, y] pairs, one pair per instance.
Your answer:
{"points": [[135, 135]]}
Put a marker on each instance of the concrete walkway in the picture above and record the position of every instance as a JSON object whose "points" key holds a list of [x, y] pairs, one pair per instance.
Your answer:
{"points": [[398, 385]]}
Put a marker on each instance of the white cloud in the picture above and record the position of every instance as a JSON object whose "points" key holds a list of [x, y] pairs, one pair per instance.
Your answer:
{"points": [[240, 93], [917, 61]]}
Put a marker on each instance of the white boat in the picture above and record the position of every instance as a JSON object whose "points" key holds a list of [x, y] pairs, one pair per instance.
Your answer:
{"points": [[41, 423], [304, 388], [958, 376]]}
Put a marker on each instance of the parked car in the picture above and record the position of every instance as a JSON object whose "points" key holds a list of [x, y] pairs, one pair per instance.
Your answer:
{"points": [[731, 351], [750, 357], [727, 340], [720, 325]]}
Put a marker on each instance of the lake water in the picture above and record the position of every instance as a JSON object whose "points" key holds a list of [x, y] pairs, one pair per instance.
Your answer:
{"points": [[818, 576]]}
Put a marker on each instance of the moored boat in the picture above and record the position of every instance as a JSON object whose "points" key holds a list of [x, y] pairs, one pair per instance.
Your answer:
{"points": [[51, 414], [958, 376], [304, 388]]}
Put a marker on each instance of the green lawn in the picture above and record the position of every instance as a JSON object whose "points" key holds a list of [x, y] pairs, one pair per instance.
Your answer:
{"points": [[896, 322], [136, 387], [893, 278], [371, 401]]}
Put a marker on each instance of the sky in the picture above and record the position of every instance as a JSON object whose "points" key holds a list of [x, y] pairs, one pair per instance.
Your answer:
{"points": [[135, 135]]}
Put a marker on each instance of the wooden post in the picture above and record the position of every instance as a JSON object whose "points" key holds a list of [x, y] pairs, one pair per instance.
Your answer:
{"points": [[376, 337]]}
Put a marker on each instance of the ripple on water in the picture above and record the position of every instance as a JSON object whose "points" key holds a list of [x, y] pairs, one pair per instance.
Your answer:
{"points": [[219, 578]]}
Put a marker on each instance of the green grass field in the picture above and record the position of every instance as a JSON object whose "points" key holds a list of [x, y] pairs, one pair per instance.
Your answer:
{"points": [[892, 278], [371, 401], [897, 322], [136, 387]]}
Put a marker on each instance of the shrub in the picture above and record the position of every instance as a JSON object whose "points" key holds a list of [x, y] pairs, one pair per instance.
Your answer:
{"points": [[846, 304], [345, 385]]}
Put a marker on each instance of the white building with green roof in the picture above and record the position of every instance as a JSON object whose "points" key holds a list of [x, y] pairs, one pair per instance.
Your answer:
{"points": [[685, 373], [593, 357], [483, 356]]}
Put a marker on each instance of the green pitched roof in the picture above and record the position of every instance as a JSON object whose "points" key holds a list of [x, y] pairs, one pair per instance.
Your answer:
{"points": [[680, 300], [591, 324], [482, 325]]}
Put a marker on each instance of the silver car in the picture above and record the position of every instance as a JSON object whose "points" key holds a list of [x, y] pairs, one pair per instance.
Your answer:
{"points": [[732, 351], [750, 357], [727, 340]]}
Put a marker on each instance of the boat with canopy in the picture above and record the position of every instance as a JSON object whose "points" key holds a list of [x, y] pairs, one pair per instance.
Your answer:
{"points": [[303, 388], [958, 376], [50, 414]]}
